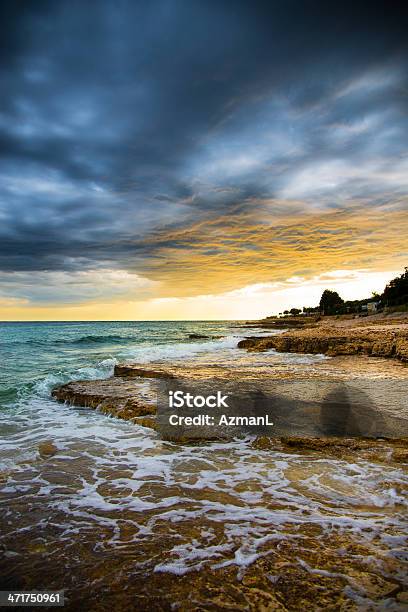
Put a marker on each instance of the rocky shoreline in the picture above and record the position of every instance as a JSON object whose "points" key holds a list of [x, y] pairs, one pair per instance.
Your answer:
{"points": [[125, 399], [304, 398], [390, 342]]}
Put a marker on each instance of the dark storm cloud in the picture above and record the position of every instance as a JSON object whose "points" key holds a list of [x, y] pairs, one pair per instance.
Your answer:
{"points": [[119, 118]]}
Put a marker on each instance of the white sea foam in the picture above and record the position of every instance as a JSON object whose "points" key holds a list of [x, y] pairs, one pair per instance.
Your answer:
{"points": [[215, 486], [176, 351], [218, 351], [104, 369]]}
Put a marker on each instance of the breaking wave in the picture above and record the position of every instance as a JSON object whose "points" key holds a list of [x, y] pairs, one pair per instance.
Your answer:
{"points": [[103, 369]]}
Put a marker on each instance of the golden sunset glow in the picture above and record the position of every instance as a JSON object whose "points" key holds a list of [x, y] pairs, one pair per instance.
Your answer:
{"points": [[237, 267], [253, 301]]}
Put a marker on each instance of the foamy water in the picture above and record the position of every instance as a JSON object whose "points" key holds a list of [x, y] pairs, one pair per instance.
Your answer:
{"points": [[120, 490], [301, 489]]}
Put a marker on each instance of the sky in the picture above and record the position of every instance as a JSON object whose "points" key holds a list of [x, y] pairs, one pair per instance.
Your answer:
{"points": [[199, 159]]}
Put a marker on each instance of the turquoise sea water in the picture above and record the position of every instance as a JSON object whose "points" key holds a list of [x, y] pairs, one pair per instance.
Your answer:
{"points": [[36, 356]]}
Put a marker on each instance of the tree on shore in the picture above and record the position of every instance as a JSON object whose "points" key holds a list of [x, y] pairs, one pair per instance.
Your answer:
{"points": [[309, 310], [394, 295], [330, 302], [295, 311], [396, 292]]}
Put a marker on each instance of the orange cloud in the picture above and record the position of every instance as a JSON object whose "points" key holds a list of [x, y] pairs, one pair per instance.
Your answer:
{"points": [[225, 253], [247, 264]]}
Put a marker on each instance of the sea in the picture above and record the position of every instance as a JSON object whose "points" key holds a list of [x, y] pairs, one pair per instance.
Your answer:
{"points": [[114, 490]]}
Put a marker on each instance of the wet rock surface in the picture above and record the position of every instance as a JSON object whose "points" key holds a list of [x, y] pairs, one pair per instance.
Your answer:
{"points": [[47, 449], [277, 525], [332, 341], [281, 581], [284, 322], [198, 337], [119, 397], [135, 371], [391, 450]]}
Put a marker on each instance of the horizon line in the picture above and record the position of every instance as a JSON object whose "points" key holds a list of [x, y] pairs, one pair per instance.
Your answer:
{"points": [[127, 320]]}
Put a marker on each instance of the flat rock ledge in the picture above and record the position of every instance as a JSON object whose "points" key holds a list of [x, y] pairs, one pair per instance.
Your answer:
{"points": [[377, 342], [284, 322], [381, 450], [131, 394], [134, 371], [129, 400]]}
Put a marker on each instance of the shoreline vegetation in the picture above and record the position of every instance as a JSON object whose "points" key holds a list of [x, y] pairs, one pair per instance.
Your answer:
{"points": [[394, 298]]}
